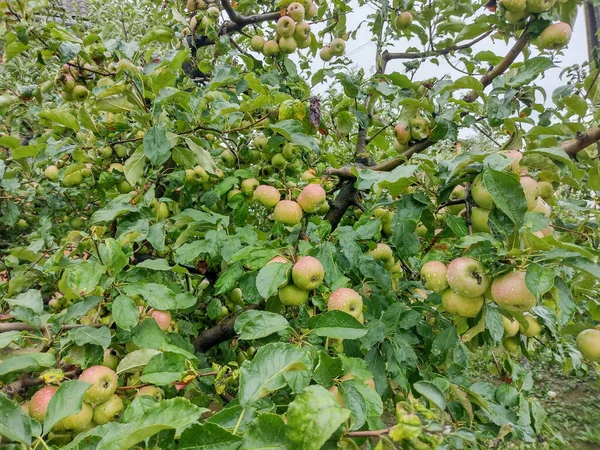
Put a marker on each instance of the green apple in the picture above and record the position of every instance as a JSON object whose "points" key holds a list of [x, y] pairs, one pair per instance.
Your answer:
{"points": [[347, 300], [228, 158], [257, 43], [510, 292], [279, 161], [419, 128], [403, 20], [237, 297], [213, 12], [467, 277], [308, 273], [121, 150], [291, 295], [312, 197], [513, 5], [539, 6], [109, 410], [124, 187], [588, 343], [287, 45], [271, 48], [302, 32], [511, 327], [162, 211], [268, 196], [479, 219], [546, 190], [248, 186], [109, 359], [480, 193], [433, 274], [338, 47], [152, 391], [382, 252], [326, 54], [287, 212], [104, 383], [460, 305], [76, 422], [310, 9], [51, 173], [296, 11], [533, 327], [80, 93], [285, 27], [556, 36], [511, 343], [458, 193]]}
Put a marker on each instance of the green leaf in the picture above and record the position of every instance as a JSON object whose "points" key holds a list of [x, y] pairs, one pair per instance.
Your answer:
{"points": [[466, 82], [494, 324], [15, 425], [267, 371], [229, 279], [164, 369], [313, 417], [539, 280], [266, 432], [134, 167], [60, 117], [337, 324], [81, 308], [362, 401], [293, 131], [136, 360], [326, 369], [125, 312], [507, 193], [272, 277], [159, 296], [156, 145], [529, 71], [67, 401], [155, 264], [83, 278], [208, 436], [13, 49], [395, 181], [259, 324], [31, 299], [432, 393], [404, 225], [113, 209], [27, 151], [8, 337], [30, 362], [90, 335]]}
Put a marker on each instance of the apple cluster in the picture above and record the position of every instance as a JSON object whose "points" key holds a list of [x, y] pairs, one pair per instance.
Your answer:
{"points": [[72, 80], [199, 22], [292, 31], [554, 37], [416, 129]]}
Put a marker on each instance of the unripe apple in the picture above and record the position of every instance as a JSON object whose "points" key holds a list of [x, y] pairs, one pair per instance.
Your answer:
{"points": [[588, 343], [546, 189], [261, 141], [271, 48], [511, 343], [511, 327], [479, 219], [296, 11], [402, 131], [152, 391], [73, 179], [460, 305], [237, 297], [516, 157], [386, 223], [162, 211], [513, 5], [467, 277], [338, 47], [124, 187], [287, 212], [228, 158], [232, 193], [287, 45], [382, 252], [51, 173], [104, 383], [162, 318], [458, 193], [288, 151], [302, 32], [109, 410], [291, 295], [539, 6], [515, 17], [257, 43], [433, 274], [312, 197], [76, 422], [248, 186], [542, 207], [80, 93], [308, 273], [531, 190], [308, 175], [556, 36], [419, 128], [285, 27], [278, 161], [268, 196], [121, 150], [510, 292], [38, 404], [213, 12], [347, 300], [200, 174], [311, 10], [533, 326], [403, 20], [480, 193], [326, 54], [109, 360]]}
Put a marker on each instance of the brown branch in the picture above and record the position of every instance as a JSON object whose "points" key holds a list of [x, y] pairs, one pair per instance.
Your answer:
{"points": [[387, 56], [19, 326], [25, 381], [374, 433], [391, 164], [581, 141], [495, 72]]}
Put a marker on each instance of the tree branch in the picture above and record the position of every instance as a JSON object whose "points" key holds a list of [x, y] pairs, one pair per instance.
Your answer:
{"points": [[19, 326], [581, 141], [387, 56]]}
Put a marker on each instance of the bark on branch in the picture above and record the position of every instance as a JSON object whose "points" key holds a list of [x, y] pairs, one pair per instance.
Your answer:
{"points": [[19, 326], [581, 141]]}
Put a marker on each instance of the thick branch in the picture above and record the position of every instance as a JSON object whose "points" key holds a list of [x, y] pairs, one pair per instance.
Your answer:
{"points": [[27, 380], [510, 57], [345, 198], [581, 141], [387, 56]]}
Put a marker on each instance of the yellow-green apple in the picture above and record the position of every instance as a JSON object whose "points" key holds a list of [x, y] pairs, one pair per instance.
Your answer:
{"points": [[287, 46], [312, 197], [511, 293], [267, 195], [419, 128], [109, 410], [285, 26], [279, 161], [287, 212], [458, 193], [538, 6], [296, 11], [248, 186], [76, 422], [553, 37], [257, 43], [546, 189], [480, 193], [513, 5], [104, 383], [338, 47], [271, 48], [308, 273], [402, 132], [302, 32], [382, 252], [588, 343], [308, 175], [228, 158], [80, 93], [461, 306], [213, 12], [310, 9], [325, 53], [292, 295], [531, 189], [479, 219], [467, 277], [511, 343], [403, 20], [152, 391], [515, 17], [110, 360], [433, 274], [511, 327], [51, 172], [347, 300], [533, 327]]}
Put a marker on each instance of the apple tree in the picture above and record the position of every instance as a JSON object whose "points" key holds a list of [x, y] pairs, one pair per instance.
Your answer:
{"points": [[218, 232]]}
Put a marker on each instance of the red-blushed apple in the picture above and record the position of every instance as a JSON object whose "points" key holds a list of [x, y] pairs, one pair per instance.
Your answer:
{"points": [[511, 343], [151, 391], [510, 292], [288, 213], [480, 193], [104, 383], [308, 175], [285, 26], [326, 54], [162, 318], [271, 48], [533, 327], [347, 300], [337, 394], [338, 47], [292, 295], [312, 197], [403, 20], [461, 306], [76, 422], [588, 343], [542, 207], [513, 5], [467, 277], [511, 327], [515, 156], [546, 189], [310, 9], [369, 381], [479, 219], [38, 404], [402, 132], [539, 6], [531, 190], [109, 410], [278, 259], [248, 186], [296, 11], [257, 43], [308, 273], [433, 274], [382, 252], [267, 195]]}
